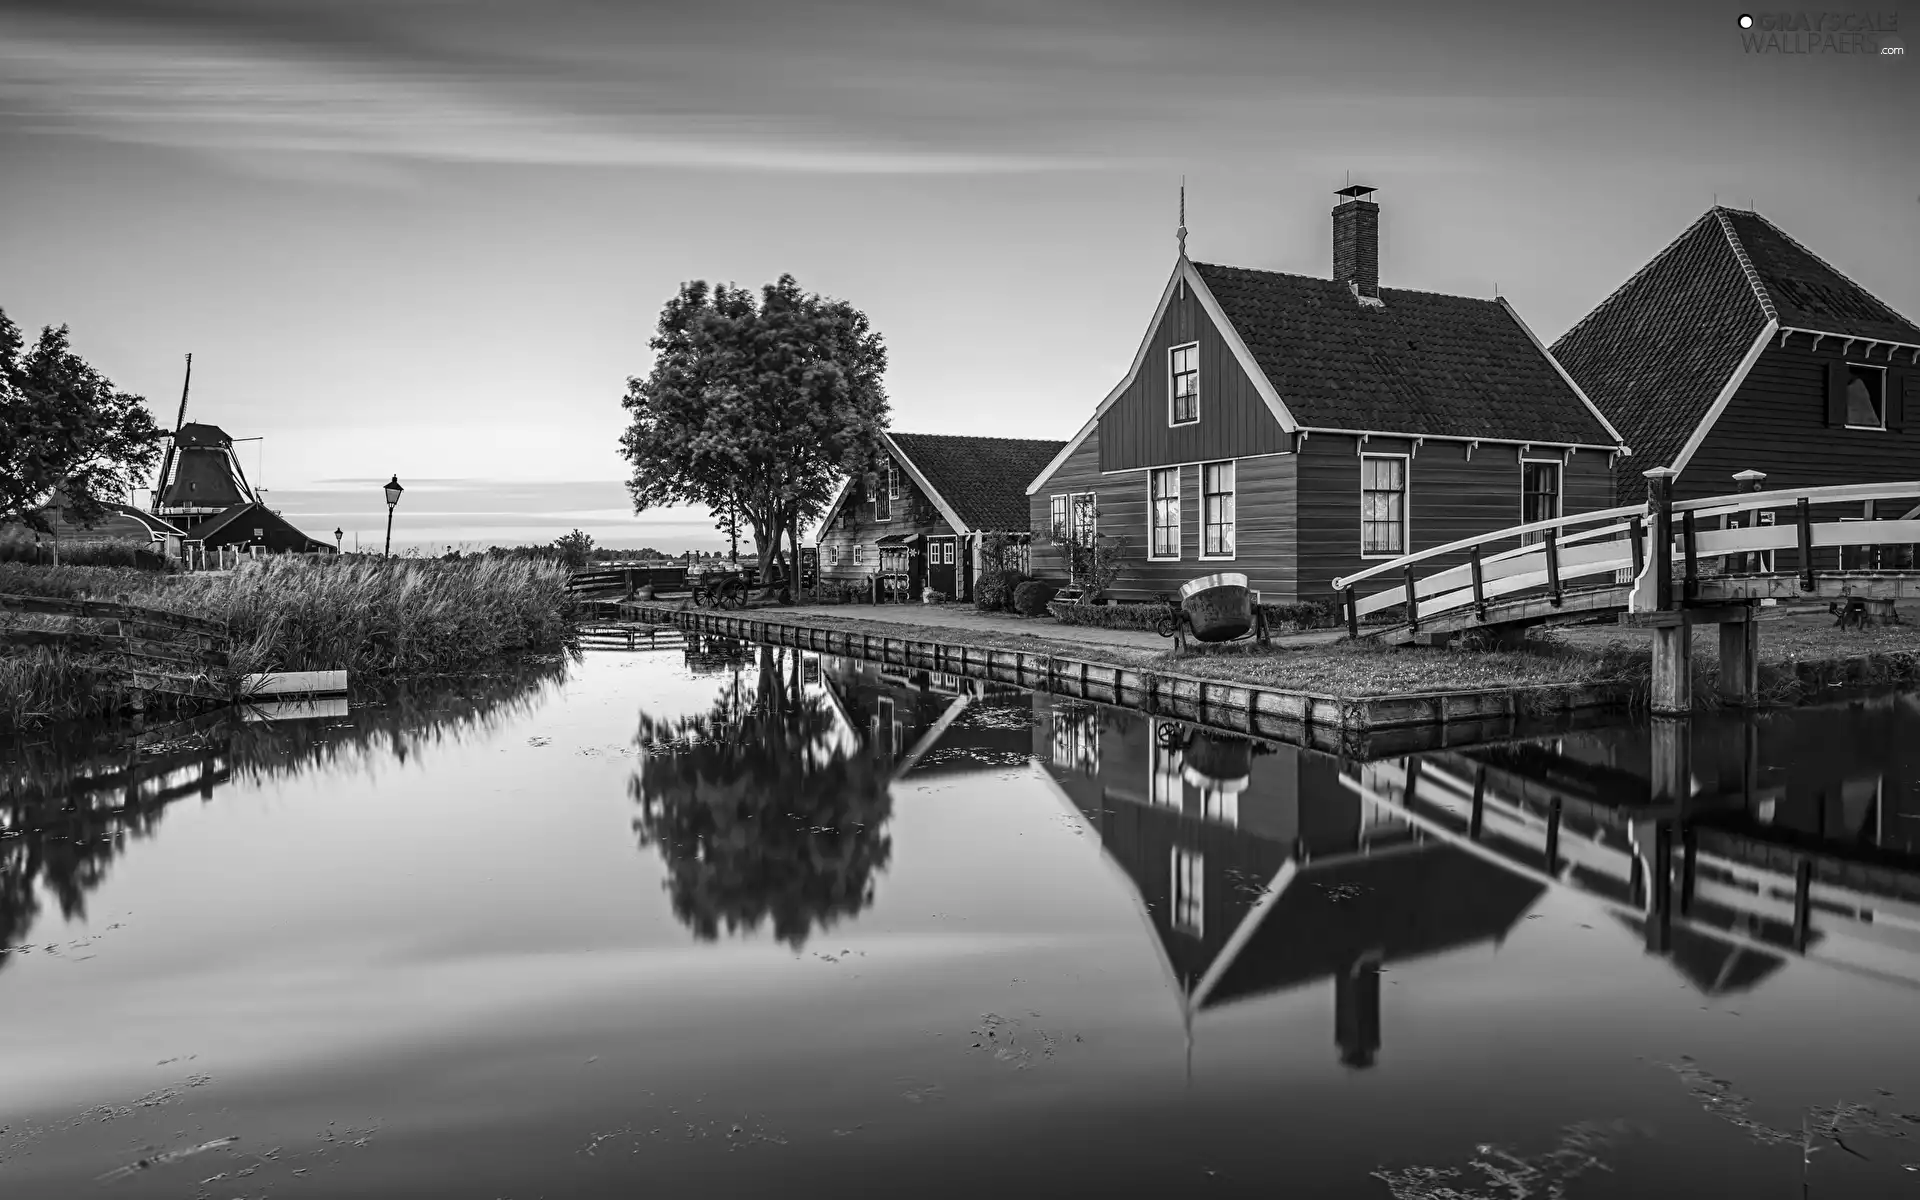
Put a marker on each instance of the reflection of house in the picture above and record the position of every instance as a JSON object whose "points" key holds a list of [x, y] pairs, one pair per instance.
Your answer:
{"points": [[1259, 872], [920, 519], [926, 721]]}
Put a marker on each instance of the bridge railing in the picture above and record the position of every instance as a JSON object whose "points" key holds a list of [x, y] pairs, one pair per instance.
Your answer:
{"points": [[1578, 547], [1623, 543]]}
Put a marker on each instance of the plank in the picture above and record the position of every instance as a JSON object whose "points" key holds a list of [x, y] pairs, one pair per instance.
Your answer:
{"points": [[109, 610], [107, 644], [293, 683]]}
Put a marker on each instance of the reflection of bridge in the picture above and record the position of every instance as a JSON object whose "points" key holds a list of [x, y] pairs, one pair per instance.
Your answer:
{"points": [[1671, 565]]}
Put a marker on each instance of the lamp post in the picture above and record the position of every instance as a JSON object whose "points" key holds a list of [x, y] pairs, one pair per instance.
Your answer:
{"points": [[393, 490], [339, 536]]}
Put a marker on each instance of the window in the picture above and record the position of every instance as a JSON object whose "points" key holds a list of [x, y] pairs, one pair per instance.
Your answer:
{"points": [[1189, 876], [859, 554], [1383, 506], [1085, 517], [883, 495], [893, 480], [833, 556], [1216, 510], [1163, 490], [1183, 366], [1866, 397], [1539, 495], [1058, 523]]}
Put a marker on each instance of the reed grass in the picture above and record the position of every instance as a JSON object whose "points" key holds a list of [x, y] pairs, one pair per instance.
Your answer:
{"points": [[379, 619]]}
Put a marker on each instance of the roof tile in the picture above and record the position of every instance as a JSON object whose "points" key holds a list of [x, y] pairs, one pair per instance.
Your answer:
{"points": [[983, 479]]}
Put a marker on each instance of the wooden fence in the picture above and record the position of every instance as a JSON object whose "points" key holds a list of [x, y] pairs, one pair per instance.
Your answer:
{"points": [[163, 651]]}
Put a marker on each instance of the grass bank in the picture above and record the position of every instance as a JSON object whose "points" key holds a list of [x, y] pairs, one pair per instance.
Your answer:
{"points": [[379, 619]]}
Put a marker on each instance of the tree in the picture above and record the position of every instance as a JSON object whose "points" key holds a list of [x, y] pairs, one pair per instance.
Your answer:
{"points": [[574, 548], [65, 430], [755, 409]]}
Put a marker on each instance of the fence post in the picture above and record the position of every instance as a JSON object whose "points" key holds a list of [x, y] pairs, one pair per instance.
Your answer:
{"points": [[1660, 544], [1552, 546], [1479, 584], [1636, 533], [1804, 517], [1413, 603], [1687, 540], [1744, 483]]}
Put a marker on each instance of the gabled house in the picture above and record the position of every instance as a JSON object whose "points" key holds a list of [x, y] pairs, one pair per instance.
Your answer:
{"points": [[120, 523], [254, 524], [1738, 349], [1298, 429], [918, 520]]}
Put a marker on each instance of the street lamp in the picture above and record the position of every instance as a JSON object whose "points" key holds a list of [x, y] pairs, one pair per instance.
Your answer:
{"points": [[393, 490], [338, 536]]}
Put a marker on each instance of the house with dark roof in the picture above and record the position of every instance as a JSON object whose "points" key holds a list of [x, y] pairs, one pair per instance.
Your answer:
{"points": [[1298, 429], [917, 521], [254, 524], [1738, 349]]}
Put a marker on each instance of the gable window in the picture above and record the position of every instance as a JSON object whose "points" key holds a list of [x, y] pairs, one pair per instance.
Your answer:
{"points": [[1058, 518], [1163, 493], [1866, 397], [1216, 510], [1383, 505], [1183, 367], [1539, 494], [883, 493]]}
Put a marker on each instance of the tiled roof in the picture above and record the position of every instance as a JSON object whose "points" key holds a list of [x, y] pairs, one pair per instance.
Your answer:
{"points": [[983, 479], [1420, 364], [1808, 293], [1656, 353]]}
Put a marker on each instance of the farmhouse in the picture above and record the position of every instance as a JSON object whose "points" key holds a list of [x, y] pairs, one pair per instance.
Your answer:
{"points": [[202, 488], [917, 522], [1296, 429], [1738, 349]]}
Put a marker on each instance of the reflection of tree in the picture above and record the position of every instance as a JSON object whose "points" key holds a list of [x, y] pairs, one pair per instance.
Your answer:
{"points": [[69, 808], [766, 808]]}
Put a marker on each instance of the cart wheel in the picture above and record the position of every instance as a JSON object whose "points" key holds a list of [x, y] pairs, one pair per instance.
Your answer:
{"points": [[736, 596], [1165, 626]]}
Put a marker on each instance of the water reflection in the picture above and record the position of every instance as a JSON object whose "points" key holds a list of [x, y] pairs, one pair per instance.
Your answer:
{"points": [[69, 808]]}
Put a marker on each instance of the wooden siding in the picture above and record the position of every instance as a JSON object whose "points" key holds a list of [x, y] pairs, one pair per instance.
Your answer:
{"points": [[1234, 420], [1777, 423], [1450, 496], [1264, 497], [913, 513]]}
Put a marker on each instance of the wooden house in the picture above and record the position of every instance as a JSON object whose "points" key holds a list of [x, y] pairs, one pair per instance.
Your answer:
{"points": [[254, 524], [1738, 349], [1298, 429], [120, 523], [917, 522]]}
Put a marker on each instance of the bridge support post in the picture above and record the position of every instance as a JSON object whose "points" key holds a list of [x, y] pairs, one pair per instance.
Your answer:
{"points": [[1740, 659], [1672, 670]]}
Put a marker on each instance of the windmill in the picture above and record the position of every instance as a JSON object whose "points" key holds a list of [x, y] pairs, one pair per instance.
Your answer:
{"points": [[200, 474]]}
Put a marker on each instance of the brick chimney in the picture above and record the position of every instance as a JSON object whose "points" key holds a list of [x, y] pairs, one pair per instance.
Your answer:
{"points": [[1356, 241]]}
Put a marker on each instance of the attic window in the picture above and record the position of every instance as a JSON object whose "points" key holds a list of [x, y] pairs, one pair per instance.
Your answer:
{"points": [[1866, 397], [1183, 367]]}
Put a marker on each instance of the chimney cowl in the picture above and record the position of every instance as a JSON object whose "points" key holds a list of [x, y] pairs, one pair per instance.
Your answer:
{"points": [[1356, 242]]}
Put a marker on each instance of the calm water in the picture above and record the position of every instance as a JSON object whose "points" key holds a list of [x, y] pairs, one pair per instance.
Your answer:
{"points": [[729, 921]]}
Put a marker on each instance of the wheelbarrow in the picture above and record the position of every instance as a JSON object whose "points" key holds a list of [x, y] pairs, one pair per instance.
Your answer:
{"points": [[1214, 609]]}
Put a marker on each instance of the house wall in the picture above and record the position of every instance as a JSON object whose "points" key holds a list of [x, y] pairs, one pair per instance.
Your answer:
{"points": [[1777, 423], [913, 513], [1234, 420], [1264, 502], [1450, 495]]}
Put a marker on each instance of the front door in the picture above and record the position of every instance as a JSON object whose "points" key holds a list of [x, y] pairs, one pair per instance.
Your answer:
{"points": [[941, 560]]}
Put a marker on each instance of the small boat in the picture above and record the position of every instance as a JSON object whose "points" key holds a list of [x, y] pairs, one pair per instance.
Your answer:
{"points": [[1219, 607]]}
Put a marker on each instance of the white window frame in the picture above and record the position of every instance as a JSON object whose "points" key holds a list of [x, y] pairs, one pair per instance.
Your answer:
{"points": [[1153, 515], [833, 556], [1059, 514], [893, 480], [859, 558], [1884, 381], [1172, 423], [1559, 464], [1406, 506], [1233, 526]]}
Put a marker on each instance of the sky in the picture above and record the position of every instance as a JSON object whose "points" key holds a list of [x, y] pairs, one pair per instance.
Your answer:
{"points": [[430, 238]]}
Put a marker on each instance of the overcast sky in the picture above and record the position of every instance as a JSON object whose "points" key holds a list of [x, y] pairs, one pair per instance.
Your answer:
{"points": [[431, 237]]}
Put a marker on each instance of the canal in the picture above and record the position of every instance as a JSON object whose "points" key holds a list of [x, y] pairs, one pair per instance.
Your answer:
{"points": [[725, 920]]}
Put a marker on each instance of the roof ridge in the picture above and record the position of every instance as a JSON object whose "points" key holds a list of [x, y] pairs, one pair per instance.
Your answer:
{"points": [[1322, 279], [1633, 278], [1885, 308], [1746, 264]]}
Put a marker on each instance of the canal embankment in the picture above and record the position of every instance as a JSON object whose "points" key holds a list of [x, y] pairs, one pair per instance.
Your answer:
{"points": [[381, 620]]}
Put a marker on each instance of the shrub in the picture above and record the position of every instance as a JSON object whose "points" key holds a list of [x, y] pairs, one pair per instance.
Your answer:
{"points": [[1031, 598], [993, 591], [1308, 614], [1112, 616]]}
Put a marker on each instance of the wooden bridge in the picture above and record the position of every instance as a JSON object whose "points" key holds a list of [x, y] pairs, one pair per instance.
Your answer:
{"points": [[1668, 565]]}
